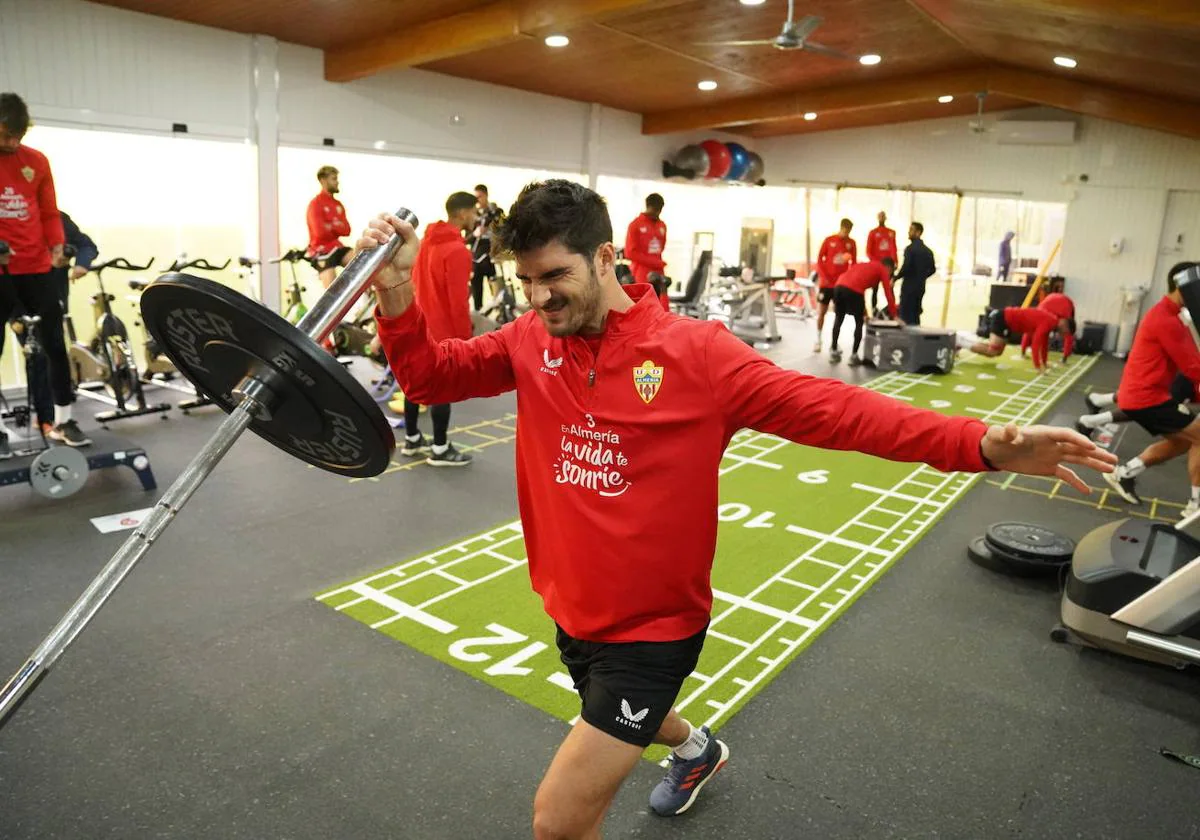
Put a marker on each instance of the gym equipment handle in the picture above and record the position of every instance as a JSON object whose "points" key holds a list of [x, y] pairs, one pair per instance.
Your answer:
{"points": [[294, 255], [202, 264], [123, 264]]}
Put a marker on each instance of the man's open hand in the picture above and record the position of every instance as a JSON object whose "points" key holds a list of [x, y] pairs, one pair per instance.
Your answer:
{"points": [[1044, 450]]}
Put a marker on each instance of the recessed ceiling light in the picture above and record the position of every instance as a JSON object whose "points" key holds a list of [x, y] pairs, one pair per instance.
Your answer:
{"points": [[557, 40], [810, 116], [1064, 61], [869, 59], [945, 99], [753, 2], [707, 84], [380, 144]]}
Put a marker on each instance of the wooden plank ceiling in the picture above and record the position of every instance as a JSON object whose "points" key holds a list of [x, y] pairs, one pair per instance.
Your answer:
{"points": [[1138, 60]]}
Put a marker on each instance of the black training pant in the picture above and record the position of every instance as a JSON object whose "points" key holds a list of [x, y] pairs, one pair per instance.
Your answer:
{"points": [[910, 302], [38, 294], [484, 270], [440, 415], [846, 301]]}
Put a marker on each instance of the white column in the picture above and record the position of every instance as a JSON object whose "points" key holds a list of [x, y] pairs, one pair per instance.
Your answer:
{"points": [[592, 151], [264, 99]]}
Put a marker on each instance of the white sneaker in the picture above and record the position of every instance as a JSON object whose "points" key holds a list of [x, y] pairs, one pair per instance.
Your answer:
{"points": [[1189, 509], [817, 346]]}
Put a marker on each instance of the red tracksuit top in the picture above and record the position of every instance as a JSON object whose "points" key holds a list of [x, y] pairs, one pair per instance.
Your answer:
{"points": [[861, 277], [1036, 322], [326, 222], [1061, 307], [1162, 347], [828, 267], [645, 241], [29, 220], [441, 280], [881, 242], [603, 440]]}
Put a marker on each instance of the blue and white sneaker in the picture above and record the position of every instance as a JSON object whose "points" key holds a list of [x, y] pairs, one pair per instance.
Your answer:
{"points": [[680, 787]]}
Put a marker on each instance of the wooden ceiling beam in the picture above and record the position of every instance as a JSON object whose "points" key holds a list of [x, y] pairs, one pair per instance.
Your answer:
{"points": [[782, 106], [1180, 13], [489, 25]]}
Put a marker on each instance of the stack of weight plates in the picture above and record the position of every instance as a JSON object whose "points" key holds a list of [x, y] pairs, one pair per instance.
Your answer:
{"points": [[1022, 549]]}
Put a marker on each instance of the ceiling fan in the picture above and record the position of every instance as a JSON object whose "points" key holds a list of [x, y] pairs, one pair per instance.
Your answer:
{"points": [[794, 36], [978, 125]]}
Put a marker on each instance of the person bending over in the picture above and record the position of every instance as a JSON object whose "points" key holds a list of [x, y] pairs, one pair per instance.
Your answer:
{"points": [[327, 223], [1062, 308], [598, 369], [441, 278], [850, 298], [33, 229], [1015, 319], [1162, 348], [838, 252]]}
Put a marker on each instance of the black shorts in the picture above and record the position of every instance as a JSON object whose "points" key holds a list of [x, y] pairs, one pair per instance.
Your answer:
{"points": [[628, 688], [996, 323], [1182, 390], [849, 302], [825, 294], [332, 260], [1163, 419]]}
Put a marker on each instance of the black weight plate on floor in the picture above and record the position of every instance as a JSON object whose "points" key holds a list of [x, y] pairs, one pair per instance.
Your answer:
{"points": [[983, 554], [216, 336], [1030, 541]]}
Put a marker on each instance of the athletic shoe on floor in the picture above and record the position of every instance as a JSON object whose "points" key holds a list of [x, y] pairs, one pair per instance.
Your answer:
{"points": [[414, 447], [5, 451], [1188, 510], [450, 458], [680, 787], [1091, 404], [817, 346], [70, 434], [1083, 429], [1126, 488], [835, 356], [854, 361], [47, 429]]}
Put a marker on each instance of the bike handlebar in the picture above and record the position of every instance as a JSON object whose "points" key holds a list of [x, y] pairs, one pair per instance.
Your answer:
{"points": [[122, 264], [292, 256], [202, 264]]}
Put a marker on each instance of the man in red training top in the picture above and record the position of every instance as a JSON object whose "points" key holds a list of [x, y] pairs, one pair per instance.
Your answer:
{"points": [[326, 224], [881, 243], [850, 298], [645, 241], [1162, 348], [837, 254], [441, 279], [1062, 308], [32, 230], [1035, 322], [601, 371]]}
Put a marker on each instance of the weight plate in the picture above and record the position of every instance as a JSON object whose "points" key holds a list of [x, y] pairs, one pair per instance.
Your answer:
{"points": [[1030, 541], [58, 472], [216, 337], [982, 553]]}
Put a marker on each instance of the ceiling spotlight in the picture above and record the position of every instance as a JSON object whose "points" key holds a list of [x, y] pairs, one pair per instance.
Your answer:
{"points": [[869, 60], [557, 40], [753, 2], [1064, 61], [945, 100], [810, 116], [707, 84], [380, 145]]}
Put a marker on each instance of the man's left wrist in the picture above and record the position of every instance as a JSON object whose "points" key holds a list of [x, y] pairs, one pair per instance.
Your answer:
{"points": [[987, 462]]}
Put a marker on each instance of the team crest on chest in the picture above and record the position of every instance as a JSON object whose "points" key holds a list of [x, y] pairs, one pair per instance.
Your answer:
{"points": [[28, 172], [647, 379]]}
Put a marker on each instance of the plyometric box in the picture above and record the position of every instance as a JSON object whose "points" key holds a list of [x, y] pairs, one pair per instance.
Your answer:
{"points": [[889, 346]]}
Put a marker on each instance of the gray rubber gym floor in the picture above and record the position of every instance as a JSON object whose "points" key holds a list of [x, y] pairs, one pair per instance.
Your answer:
{"points": [[213, 698]]}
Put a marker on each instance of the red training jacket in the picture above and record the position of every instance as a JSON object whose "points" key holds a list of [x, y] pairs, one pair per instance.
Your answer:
{"points": [[645, 241], [441, 279], [29, 220], [861, 277], [1162, 347], [1061, 307], [881, 242], [603, 439], [326, 222], [836, 255], [1036, 322]]}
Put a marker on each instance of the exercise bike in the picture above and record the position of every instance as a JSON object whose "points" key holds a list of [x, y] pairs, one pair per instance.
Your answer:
{"points": [[295, 309], [107, 361], [158, 369]]}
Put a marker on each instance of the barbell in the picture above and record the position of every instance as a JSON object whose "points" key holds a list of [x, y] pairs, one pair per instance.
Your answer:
{"points": [[270, 377]]}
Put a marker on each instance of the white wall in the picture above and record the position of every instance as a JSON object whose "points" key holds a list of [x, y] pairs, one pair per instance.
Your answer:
{"points": [[1130, 171]]}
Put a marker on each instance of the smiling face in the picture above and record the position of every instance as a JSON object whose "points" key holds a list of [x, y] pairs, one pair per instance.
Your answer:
{"points": [[566, 289]]}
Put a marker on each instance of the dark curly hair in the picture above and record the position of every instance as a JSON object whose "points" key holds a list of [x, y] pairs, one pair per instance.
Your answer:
{"points": [[555, 211]]}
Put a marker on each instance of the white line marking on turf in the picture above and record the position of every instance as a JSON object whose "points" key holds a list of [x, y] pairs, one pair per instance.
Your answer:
{"points": [[796, 529], [825, 562], [754, 461], [402, 609], [893, 495], [452, 578], [744, 603], [716, 634], [797, 583], [562, 681]]}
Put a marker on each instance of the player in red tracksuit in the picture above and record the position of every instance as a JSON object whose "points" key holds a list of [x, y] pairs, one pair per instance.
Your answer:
{"points": [[881, 244], [441, 281], [1062, 308], [837, 254], [1162, 348], [1035, 322], [645, 241], [621, 406], [32, 230], [326, 224], [850, 298]]}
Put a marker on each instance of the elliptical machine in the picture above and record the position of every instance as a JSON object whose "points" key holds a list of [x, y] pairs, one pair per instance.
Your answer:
{"points": [[107, 361]]}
